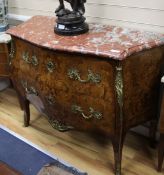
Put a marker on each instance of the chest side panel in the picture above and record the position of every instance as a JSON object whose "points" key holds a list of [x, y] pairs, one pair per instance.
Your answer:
{"points": [[141, 85]]}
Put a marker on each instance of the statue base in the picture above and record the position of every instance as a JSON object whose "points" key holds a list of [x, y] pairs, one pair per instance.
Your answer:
{"points": [[71, 25]]}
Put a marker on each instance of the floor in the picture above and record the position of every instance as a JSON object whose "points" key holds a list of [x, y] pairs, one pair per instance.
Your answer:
{"points": [[87, 153]]}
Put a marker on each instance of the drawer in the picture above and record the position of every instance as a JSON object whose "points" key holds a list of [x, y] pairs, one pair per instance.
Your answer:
{"points": [[87, 113], [83, 75], [4, 70], [73, 74], [3, 58], [77, 111]]}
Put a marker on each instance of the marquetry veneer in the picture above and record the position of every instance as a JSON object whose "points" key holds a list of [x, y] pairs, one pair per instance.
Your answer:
{"points": [[4, 72]]}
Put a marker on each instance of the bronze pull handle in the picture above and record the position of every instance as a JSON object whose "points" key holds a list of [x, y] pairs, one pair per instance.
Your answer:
{"points": [[50, 66], [12, 52], [58, 125], [91, 77], [29, 90], [34, 61], [25, 57], [33, 91], [93, 113], [50, 99]]}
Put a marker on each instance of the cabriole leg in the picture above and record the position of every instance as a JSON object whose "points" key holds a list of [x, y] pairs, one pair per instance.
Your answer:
{"points": [[24, 104], [118, 148], [26, 109]]}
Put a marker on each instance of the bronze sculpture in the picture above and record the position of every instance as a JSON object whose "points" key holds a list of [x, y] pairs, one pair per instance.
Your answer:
{"points": [[77, 6], [71, 22]]}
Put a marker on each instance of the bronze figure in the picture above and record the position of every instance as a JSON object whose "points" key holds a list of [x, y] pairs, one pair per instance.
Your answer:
{"points": [[77, 6], [71, 22]]}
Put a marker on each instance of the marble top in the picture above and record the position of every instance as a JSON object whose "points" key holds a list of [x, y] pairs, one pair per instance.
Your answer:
{"points": [[102, 40]]}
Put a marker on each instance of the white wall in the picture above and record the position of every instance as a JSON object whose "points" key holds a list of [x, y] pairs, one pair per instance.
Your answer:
{"points": [[144, 14]]}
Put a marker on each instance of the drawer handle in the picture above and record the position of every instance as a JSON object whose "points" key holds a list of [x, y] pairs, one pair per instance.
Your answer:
{"points": [[50, 66], [93, 113], [91, 77], [34, 61], [29, 90], [59, 126], [50, 100], [32, 90], [25, 57], [12, 51]]}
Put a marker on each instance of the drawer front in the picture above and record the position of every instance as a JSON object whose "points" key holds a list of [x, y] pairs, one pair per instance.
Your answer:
{"points": [[86, 113], [83, 75], [75, 111]]}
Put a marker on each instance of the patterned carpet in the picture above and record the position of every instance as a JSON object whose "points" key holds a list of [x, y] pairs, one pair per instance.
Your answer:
{"points": [[29, 159]]}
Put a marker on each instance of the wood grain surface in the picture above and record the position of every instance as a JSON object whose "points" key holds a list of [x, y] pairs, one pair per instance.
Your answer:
{"points": [[4, 70]]}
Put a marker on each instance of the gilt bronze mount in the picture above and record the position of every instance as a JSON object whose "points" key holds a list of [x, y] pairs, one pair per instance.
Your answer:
{"points": [[71, 22]]}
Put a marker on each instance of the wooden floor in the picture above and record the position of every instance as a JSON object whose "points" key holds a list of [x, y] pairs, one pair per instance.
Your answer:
{"points": [[83, 151]]}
